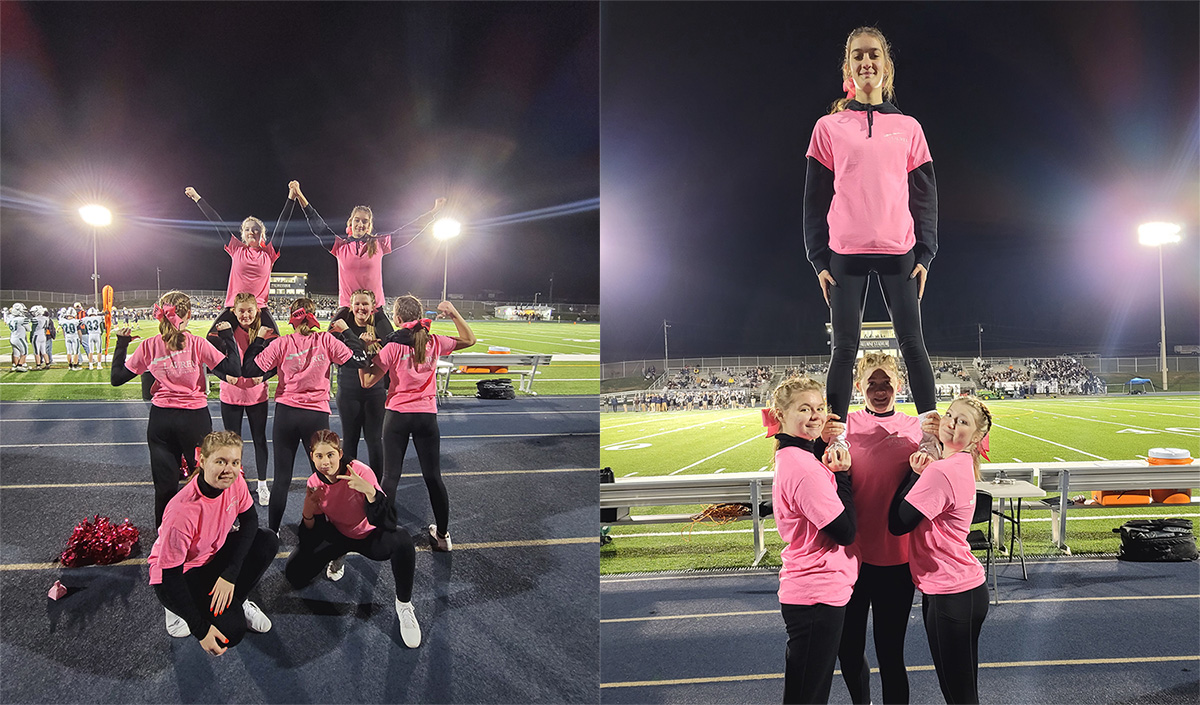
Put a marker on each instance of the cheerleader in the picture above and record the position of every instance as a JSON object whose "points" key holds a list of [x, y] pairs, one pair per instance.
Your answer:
{"points": [[17, 320], [361, 410], [934, 505], [346, 511], [202, 569], [248, 395], [412, 403], [179, 417]]}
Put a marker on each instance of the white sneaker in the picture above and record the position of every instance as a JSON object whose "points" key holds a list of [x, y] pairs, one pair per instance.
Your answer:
{"points": [[439, 543], [256, 621], [335, 569], [410, 631], [176, 627], [264, 493]]}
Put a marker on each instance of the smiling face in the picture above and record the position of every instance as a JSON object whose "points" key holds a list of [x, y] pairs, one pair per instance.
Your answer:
{"points": [[805, 415], [222, 467], [327, 458], [363, 307], [867, 62], [879, 390], [245, 312], [960, 428], [253, 232], [359, 222]]}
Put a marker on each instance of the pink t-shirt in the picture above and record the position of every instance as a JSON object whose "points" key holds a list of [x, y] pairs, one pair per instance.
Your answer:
{"points": [[940, 559], [816, 569], [869, 214], [879, 449], [413, 388], [303, 363], [194, 527], [358, 271], [180, 381], [242, 391], [251, 270], [343, 506]]}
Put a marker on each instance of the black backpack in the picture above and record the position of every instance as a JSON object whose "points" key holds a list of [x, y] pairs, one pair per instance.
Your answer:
{"points": [[1157, 540], [495, 389]]}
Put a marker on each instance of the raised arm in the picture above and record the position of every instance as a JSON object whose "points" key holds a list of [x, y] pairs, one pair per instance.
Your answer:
{"points": [[316, 223], [465, 337], [120, 374], [212, 215]]}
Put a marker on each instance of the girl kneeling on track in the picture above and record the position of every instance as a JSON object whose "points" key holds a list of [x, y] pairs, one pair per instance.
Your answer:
{"points": [[936, 503], [179, 417], [815, 517], [248, 395], [302, 360], [412, 403], [200, 568], [346, 511]]}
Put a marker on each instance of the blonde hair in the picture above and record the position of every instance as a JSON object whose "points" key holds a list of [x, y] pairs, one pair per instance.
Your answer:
{"points": [[874, 360], [889, 69], [246, 297], [171, 335], [783, 396], [376, 346], [983, 419], [214, 442], [372, 248], [308, 305], [408, 308], [261, 225]]}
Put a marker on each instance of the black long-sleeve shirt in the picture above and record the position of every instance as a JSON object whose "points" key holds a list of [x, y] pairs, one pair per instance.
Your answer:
{"points": [[348, 380], [902, 516]]}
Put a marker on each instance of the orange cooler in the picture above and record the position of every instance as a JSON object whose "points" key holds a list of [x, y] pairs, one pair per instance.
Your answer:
{"points": [[1170, 456]]}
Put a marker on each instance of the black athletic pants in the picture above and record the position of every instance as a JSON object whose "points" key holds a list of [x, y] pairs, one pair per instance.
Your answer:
{"points": [[427, 439], [256, 414], [200, 581], [887, 591], [362, 415], [813, 635], [952, 624], [324, 543], [293, 428], [173, 434], [846, 301]]}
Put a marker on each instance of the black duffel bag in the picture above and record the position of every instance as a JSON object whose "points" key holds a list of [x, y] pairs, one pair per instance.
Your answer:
{"points": [[495, 389], [1157, 540]]}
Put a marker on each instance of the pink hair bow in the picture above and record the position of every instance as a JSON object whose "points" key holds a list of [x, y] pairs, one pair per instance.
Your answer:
{"points": [[423, 322], [770, 423], [983, 447], [300, 316], [167, 312], [850, 88]]}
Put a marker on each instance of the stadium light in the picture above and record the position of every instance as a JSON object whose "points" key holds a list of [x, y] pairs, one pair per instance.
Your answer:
{"points": [[1157, 235], [97, 217], [443, 230]]}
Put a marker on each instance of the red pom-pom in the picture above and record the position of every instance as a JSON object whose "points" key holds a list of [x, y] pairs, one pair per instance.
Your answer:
{"points": [[99, 541]]}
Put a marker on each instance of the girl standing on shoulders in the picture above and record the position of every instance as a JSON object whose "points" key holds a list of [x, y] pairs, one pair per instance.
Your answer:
{"points": [[870, 208], [346, 511], [936, 503], [179, 417], [202, 571], [815, 517], [412, 403], [248, 395]]}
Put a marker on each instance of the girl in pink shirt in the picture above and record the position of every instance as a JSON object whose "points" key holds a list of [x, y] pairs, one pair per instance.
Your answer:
{"points": [[301, 360], [936, 504], [815, 517], [201, 571], [178, 361], [248, 395], [346, 511], [870, 208], [412, 403], [360, 251]]}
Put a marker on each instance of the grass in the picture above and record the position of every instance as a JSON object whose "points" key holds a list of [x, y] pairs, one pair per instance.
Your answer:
{"points": [[579, 373], [698, 442]]}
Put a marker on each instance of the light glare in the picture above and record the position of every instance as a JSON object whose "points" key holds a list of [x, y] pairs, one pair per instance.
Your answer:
{"points": [[96, 216], [1155, 234], [446, 228]]}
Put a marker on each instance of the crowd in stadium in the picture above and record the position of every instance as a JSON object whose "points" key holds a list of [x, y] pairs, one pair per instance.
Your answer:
{"points": [[1058, 375], [693, 378], [684, 399]]}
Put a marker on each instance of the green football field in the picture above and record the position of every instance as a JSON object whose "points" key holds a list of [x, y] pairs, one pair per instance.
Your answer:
{"points": [[641, 444], [575, 369]]}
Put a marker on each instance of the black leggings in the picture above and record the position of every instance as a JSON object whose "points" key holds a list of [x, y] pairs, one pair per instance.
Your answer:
{"points": [[952, 624], [423, 429], [231, 416], [293, 427], [229, 317], [362, 415], [173, 434], [200, 581], [887, 591], [813, 634], [324, 543], [846, 301]]}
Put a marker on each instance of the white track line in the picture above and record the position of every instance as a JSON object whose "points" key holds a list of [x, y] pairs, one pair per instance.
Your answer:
{"points": [[142, 443], [756, 436], [1044, 440]]}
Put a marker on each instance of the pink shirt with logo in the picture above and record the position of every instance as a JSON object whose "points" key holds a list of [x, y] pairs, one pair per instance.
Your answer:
{"points": [[816, 569], [194, 527], [251, 270], [343, 505], [940, 559], [879, 450], [180, 380], [869, 213], [242, 391], [358, 271], [302, 362], [413, 388]]}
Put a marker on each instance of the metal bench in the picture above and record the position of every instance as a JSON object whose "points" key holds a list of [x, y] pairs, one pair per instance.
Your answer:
{"points": [[450, 363]]}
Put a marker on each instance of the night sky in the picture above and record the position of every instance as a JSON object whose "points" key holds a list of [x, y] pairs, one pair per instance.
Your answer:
{"points": [[492, 105], [1055, 129]]}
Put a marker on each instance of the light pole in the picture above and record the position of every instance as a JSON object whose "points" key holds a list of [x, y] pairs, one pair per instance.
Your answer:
{"points": [[1157, 235], [443, 230], [535, 297], [97, 217], [550, 296], [158, 280]]}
